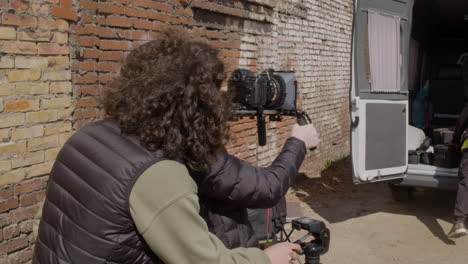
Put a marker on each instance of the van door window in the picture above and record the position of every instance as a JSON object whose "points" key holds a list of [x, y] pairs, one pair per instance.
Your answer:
{"points": [[384, 51]]}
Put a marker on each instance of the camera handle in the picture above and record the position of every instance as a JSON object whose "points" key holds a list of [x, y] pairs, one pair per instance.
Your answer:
{"points": [[261, 127]]}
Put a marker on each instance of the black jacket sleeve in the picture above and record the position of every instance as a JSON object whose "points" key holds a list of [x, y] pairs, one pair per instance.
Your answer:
{"points": [[462, 122], [240, 184]]}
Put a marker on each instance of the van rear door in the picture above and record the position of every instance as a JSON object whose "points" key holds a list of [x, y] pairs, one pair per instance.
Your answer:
{"points": [[379, 89]]}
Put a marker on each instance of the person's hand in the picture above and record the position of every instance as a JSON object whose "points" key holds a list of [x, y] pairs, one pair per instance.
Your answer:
{"points": [[306, 133], [283, 253]]}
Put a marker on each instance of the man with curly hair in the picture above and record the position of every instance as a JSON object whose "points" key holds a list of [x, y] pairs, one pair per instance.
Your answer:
{"points": [[125, 189]]}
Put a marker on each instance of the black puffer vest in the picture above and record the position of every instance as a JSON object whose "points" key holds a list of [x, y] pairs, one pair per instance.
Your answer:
{"points": [[86, 216]]}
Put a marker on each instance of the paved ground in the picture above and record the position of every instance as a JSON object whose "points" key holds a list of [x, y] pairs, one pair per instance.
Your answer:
{"points": [[369, 227]]}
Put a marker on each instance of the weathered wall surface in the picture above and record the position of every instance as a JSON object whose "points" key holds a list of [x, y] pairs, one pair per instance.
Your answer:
{"points": [[58, 55]]}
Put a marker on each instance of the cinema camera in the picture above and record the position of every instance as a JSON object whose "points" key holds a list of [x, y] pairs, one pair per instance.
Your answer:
{"points": [[316, 247], [271, 93]]}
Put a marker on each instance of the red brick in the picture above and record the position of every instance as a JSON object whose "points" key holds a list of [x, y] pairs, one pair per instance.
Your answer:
{"points": [[25, 255], [89, 5], [14, 244], [87, 41], [52, 49], [85, 79], [111, 55], [134, 35], [85, 113], [122, 1], [20, 5], [87, 102], [229, 53], [31, 186], [108, 33], [17, 20], [19, 47], [158, 16], [23, 213], [64, 13], [163, 7], [32, 198], [6, 193], [108, 8], [142, 24], [105, 78], [86, 30], [118, 21], [26, 227], [10, 232], [133, 12], [91, 53], [87, 90], [108, 67], [8, 205], [223, 44], [3, 4], [66, 3], [115, 45], [84, 66]]}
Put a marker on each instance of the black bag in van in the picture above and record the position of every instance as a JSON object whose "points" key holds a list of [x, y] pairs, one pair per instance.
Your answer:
{"points": [[446, 156], [443, 136]]}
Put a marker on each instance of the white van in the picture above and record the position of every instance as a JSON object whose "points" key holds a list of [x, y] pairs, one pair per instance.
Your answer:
{"points": [[398, 46]]}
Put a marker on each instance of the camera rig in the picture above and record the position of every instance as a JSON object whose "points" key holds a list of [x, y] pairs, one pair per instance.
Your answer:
{"points": [[271, 93], [314, 248]]}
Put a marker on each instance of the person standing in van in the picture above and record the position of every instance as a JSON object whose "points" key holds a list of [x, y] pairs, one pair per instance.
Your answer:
{"points": [[460, 138]]}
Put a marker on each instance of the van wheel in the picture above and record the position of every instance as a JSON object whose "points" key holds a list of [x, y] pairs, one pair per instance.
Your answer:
{"points": [[401, 193]]}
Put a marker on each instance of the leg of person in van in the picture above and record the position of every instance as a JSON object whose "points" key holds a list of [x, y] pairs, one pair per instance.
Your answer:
{"points": [[461, 204]]}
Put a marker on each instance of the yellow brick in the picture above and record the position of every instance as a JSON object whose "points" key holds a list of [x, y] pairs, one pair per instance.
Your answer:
{"points": [[5, 165], [31, 88], [23, 62], [64, 114], [11, 177], [62, 25], [21, 105], [11, 120], [7, 89], [24, 75], [51, 154], [59, 61], [28, 158], [35, 144], [39, 169], [60, 37], [1, 105], [57, 128], [7, 33], [7, 62], [28, 132], [4, 135], [64, 137], [60, 102], [56, 75], [60, 87], [34, 36], [41, 117], [10, 148]]}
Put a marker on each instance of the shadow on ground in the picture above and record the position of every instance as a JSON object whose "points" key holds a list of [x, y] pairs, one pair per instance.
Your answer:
{"points": [[336, 198]]}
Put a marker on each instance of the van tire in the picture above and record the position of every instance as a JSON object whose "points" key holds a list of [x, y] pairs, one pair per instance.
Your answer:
{"points": [[401, 193]]}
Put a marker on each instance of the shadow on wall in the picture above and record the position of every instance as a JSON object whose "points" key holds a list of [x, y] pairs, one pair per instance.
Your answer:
{"points": [[336, 198]]}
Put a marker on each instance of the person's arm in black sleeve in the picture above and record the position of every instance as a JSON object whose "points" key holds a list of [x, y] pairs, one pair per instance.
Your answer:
{"points": [[461, 125], [240, 184]]}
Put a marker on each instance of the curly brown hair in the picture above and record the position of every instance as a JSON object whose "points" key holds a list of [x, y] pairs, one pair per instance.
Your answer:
{"points": [[168, 94]]}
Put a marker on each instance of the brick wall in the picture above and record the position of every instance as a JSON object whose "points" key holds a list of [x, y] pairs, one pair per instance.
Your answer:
{"points": [[58, 55]]}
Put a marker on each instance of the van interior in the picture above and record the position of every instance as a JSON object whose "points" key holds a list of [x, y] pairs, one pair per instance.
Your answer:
{"points": [[438, 75]]}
